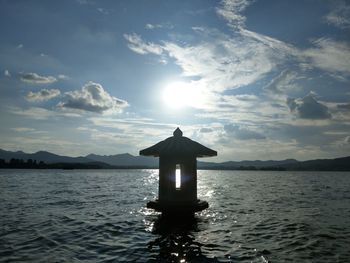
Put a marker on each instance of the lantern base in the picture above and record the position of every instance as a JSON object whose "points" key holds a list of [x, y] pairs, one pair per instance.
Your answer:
{"points": [[178, 208]]}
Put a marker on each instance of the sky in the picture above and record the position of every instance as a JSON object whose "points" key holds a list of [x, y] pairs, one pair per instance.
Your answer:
{"points": [[263, 79]]}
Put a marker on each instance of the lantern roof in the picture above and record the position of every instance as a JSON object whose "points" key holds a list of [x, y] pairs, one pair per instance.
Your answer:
{"points": [[178, 145]]}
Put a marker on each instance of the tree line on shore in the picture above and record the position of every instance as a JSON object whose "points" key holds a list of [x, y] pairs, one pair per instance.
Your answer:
{"points": [[34, 164], [338, 164]]}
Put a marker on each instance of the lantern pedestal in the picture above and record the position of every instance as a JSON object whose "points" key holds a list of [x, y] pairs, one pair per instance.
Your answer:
{"points": [[178, 208]]}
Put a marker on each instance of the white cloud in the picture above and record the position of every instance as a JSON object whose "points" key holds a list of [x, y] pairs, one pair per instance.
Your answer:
{"points": [[62, 76], [273, 44], [92, 97], [285, 81], [7, 73], [223, 62], [242, 133], [103, 11], [340, 15], [36, 113], [43, 95], [206, 130], [330, 55], [129, 131], [23, 129], [85, 2], [34, 78], [153, 26], [136, 44], [220, 61], [231, 11], [82, 128], [158, 26]]}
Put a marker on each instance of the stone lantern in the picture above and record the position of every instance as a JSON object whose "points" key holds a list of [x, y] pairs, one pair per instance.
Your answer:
{"points": [[178, 174]]}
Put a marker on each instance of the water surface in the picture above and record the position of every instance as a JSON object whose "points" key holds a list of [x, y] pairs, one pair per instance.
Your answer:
{"points": [[100, 216]]}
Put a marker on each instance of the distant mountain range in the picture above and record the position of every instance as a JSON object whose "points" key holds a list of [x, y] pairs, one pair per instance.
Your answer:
{"points": [[126, 160], [118, 160]]}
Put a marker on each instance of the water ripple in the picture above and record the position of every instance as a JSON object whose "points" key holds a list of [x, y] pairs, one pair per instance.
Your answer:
{"points": [[100, 216]]}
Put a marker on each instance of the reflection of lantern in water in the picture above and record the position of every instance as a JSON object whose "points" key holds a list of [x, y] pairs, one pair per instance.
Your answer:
{"points": [[178, 174]]}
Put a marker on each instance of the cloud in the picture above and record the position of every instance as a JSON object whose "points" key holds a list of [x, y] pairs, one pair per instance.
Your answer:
{"points": [[347, 140], [231, 10], [62, 77], [285, 81], [330, 55], [340, 15], [219, 62], [92, 97], [85, 2], [308, 108], [206, 130], [136, 44], [7, 73], [153, 26], [23, 129], [242, 133], [344, 106], [43, 95], [223, 62], [103, 11], [33, 113], [34, 78], [158, 26]]}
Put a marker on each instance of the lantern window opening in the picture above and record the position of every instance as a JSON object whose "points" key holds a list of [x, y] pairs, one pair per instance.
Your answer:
{"points": [[178, 177]]}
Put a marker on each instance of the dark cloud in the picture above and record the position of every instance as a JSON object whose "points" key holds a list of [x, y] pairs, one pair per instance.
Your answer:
{"points": [[92, 97], [42, 95], [34, 78], [345, 106], [242, 133], [308, 108]]}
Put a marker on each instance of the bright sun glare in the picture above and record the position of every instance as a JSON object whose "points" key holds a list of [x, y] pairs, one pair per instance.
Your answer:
{"points": [[181, 94]]}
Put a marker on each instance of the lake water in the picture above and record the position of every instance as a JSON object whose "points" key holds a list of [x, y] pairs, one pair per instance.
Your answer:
{"points": [[100, 216]]}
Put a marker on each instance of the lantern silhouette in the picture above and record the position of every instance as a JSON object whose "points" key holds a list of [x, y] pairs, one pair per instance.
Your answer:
{"points": [[178, 174]]}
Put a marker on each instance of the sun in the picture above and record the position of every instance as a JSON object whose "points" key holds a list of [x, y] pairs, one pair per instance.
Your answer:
{"points": [[179, 95]]}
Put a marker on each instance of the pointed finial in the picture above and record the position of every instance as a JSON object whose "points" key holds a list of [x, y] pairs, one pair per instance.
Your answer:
{"points": [[177, 132]]}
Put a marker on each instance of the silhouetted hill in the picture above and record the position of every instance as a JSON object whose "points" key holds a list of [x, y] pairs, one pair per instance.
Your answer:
{"points": [[44, 156], [257, 164], [337, 164], [125, 159]]}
